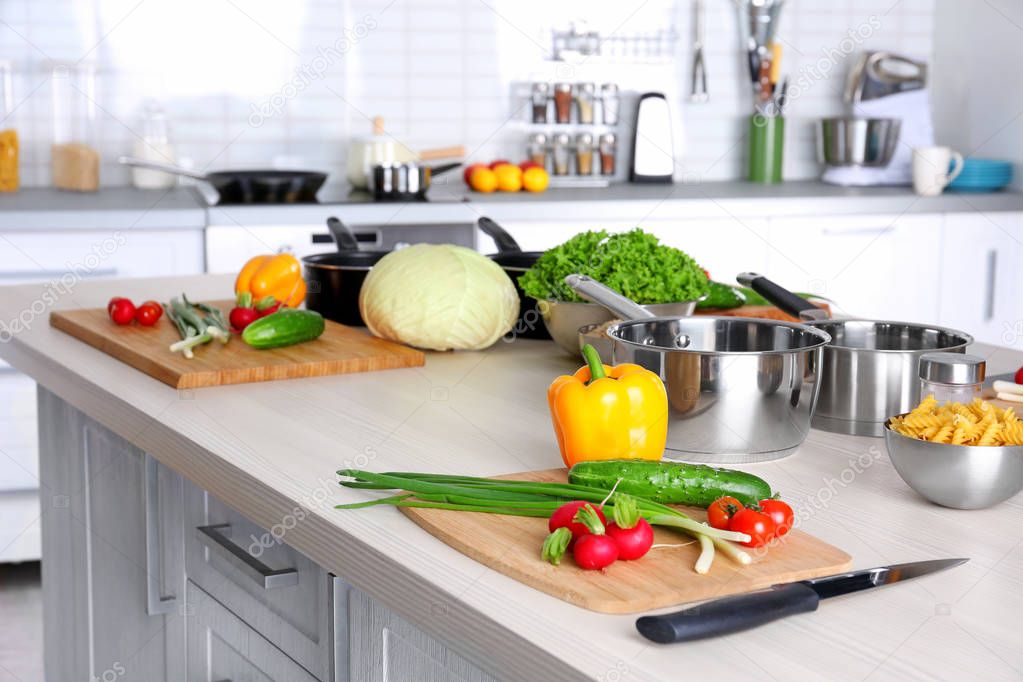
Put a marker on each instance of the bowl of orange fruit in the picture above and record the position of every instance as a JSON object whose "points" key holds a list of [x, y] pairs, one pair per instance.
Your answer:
{"points": [[505, 176]]}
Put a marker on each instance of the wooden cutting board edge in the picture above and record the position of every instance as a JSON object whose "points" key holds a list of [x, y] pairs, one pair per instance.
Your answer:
{"points": [[606, 602]]}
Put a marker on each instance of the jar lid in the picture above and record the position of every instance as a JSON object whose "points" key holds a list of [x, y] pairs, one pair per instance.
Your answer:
{"points": [[608, 138], [563, 87], [588, 88], [609, 88], [584, 138], [538, 138], [952, 368]]}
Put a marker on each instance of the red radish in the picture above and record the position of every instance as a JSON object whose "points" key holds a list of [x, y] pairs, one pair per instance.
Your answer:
{"points": [[240, 318], [631, 533], [564, 517], [121, 310], [594, 550], [267, 305], [1019, 376]]}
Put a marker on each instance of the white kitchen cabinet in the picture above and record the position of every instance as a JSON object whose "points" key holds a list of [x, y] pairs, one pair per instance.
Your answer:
{"points": [[114, 556], [66, 258], [384, 646], [984, 296], [873, 266]]}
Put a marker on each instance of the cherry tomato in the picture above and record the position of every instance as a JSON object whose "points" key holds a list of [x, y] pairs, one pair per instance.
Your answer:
{"points": [[148, 313], [721, 511], [1019, 376], [121, 310], [756, 524], [780, 513]]}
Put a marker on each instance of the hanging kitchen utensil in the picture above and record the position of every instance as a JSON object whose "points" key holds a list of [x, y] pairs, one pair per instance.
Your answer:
{"points": [[247, 186], [870, 367], [334, 280], [698, 84], [739, 390], [514, 261]]}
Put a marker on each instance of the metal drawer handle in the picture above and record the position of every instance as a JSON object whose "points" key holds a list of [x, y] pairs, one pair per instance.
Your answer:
{"points": [[156, 603], [217, 538]]}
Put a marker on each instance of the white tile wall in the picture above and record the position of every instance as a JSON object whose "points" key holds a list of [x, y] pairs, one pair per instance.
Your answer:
{"points": [[439, 71]]}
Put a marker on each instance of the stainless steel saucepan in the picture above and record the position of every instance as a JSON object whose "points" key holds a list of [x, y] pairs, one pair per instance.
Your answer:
{"points": [[739, 390], [870, 367]]}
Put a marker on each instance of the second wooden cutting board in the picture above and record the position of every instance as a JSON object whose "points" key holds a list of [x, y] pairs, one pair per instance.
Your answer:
{"points": [[664, 577], [340, 350]]}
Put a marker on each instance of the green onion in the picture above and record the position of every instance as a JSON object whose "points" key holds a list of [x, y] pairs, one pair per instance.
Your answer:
{"points": [[528, 498]]}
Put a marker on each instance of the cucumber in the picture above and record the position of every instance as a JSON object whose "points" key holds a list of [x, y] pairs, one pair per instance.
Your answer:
{"points": [[722, 297], [284, 328], [671, 482]]}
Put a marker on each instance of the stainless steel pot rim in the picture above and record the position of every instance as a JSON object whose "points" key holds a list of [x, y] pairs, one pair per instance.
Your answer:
{"points": [[967, 338], [823, 338], [555, 301]]}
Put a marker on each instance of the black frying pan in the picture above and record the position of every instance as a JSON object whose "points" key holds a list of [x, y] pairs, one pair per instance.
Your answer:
{"points": [[515, 261], [248, 186], [334, 280]]}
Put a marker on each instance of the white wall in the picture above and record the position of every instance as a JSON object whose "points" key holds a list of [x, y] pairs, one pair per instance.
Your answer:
{"points": [[978, 94], [439, 71]]}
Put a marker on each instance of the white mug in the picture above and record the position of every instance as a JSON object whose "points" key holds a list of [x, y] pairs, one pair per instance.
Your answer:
{"points": [[930, 169]]}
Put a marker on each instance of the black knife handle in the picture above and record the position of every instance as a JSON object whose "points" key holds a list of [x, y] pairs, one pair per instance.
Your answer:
{"points": [[728, 615], [775, 293]]}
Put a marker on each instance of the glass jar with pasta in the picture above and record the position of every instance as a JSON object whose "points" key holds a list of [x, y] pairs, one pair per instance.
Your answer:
{"points": [[74, 159]]}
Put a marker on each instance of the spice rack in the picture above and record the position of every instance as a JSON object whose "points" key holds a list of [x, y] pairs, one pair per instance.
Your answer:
{"points": [[577, 147]]}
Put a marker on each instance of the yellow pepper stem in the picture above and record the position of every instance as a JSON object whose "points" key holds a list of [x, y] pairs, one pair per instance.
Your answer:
{"points": [[593, 360]]}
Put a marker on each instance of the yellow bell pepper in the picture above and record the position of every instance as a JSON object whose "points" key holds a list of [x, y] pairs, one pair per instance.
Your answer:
{"points": [[277, 275], [604, 412]]}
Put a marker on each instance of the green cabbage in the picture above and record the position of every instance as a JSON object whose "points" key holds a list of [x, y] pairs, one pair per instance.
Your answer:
{"points": [[634, 263]]}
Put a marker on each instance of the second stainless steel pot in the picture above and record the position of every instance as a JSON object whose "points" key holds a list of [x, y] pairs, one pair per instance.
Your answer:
{"points": [[870, 367], [739, 390]]}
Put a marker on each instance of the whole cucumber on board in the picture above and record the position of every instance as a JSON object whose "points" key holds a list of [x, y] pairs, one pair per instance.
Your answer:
{"points": [[286, 327], [671, 482]]}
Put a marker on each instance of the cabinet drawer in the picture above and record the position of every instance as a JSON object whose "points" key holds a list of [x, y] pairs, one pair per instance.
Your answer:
{"points": [[222, 647], [276, 590]]}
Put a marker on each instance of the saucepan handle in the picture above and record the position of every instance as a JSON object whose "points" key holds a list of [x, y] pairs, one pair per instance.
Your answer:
{"points": [[594, 291], [782, 297]]}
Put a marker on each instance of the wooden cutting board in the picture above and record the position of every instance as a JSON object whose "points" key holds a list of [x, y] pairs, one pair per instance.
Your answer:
{"points": [[340, 350], [664, 577]]}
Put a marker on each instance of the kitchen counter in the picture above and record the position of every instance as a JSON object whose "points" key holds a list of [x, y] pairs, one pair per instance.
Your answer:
{"points": [[450, 202], [112, 208], [270, 449]]}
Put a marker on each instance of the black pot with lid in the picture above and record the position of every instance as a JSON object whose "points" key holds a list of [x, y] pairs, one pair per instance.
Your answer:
{"points": [[334, 279], [515, 261]]}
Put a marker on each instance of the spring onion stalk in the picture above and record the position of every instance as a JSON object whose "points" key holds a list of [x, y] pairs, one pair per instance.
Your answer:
{"points": [[195, 329], [528, 498]]}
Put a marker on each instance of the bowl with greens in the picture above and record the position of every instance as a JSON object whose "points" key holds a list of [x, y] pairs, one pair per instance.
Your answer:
{"points": [[635, 264]]}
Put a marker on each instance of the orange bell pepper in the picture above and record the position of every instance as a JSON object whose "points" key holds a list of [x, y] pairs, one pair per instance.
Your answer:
{"points": [[604, 412], [277, 275]]}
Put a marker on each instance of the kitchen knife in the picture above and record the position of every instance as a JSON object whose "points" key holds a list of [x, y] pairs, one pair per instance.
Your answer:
{"points": [[745, 611]]}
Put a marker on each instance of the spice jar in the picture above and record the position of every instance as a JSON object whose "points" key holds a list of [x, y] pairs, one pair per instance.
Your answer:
{"points": [[584, 97], [951, 377], [563, 102], [561, 150], [74, 160], [537, 149], [541, 93], [584, 154], [608, 152], [609, 103], [9, 136]]}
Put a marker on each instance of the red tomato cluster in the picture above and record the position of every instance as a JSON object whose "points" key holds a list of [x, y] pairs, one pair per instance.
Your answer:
{"points": [[123, 312], [763, 521]]}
